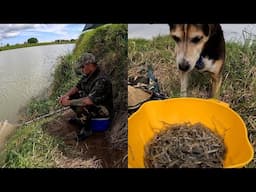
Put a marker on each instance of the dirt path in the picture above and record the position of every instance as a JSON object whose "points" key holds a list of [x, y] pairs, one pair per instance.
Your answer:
{"points": [[96, 146]]}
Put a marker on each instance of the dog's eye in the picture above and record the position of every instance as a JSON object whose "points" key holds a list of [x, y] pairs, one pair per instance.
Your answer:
{"points": [[196, 39], [176, 39]]}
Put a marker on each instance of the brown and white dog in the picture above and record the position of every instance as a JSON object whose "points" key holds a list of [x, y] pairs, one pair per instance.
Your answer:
{"points": [[200, 46]]}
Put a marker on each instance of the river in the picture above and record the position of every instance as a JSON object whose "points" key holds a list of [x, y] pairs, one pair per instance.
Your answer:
{"points": [[24, 73]]}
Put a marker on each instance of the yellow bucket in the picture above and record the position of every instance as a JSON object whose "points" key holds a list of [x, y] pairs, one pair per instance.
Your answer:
{"points": [[215, 114]]}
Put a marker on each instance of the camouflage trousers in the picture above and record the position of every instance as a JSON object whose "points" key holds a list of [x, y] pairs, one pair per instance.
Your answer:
{"points": [[85, 114]]}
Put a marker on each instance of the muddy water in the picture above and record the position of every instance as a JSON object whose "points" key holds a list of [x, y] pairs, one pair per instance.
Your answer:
{"points": [[24, 73]]}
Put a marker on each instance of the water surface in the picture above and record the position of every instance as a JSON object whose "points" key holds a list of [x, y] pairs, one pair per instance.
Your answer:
{"points": [[24, 73]]}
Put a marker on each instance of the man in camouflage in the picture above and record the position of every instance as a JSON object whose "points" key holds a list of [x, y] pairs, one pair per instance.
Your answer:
{"points": [[91, 97]]}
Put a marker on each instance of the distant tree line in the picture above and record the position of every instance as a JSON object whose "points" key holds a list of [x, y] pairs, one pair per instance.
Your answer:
{"points": [[64, 41], [34, 42]]}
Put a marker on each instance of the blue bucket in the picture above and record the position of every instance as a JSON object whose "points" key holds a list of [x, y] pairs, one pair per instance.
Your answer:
{"points": [[99, 124]]}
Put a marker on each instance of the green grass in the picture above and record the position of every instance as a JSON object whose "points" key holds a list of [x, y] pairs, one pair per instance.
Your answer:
{"points": [[239, 75], [64, 77], [30, 147]]}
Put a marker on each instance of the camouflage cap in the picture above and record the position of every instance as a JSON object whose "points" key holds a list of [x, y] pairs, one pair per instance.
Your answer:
{"points": [[86, 58]]}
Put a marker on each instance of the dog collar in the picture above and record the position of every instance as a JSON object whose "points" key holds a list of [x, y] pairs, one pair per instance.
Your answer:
{"points": [[200, 63]]}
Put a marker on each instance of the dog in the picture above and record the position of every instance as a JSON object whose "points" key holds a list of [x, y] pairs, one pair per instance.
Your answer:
{"points": [[200, 46]]}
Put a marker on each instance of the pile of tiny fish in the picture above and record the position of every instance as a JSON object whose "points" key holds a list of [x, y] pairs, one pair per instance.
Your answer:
{"points": [[185, 146]]}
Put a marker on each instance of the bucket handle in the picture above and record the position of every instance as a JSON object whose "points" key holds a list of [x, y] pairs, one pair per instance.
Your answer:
{"points": [[216, 101]]}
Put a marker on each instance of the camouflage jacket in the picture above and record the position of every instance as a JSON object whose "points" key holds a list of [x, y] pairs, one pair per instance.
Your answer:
{"points": [[98, 87]]}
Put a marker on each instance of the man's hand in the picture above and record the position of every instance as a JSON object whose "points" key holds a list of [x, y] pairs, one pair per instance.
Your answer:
{"points": [[87, 101], [63, 97], [65, 101]]}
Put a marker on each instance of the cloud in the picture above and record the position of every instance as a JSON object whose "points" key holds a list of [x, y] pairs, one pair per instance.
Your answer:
{"points": [[14, 30], [50, 28]]}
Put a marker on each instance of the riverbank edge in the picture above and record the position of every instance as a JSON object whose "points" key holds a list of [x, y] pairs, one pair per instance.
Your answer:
{"points": [[5, 48]]}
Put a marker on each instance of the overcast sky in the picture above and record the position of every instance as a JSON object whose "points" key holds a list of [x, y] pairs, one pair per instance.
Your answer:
{"points": [[19, 33], [231, 31]]}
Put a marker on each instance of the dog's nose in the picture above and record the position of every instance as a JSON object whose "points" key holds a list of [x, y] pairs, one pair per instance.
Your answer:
{"points": [[184, 65]]}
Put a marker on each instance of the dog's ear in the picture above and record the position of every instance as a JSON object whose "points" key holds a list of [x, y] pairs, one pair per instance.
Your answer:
{"points": [[206, 29], [209, 29], [213, 27], [171, 26]]}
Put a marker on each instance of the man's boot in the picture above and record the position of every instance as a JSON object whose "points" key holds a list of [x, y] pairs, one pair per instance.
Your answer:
{"points": [[84, 133], [76, 121]]}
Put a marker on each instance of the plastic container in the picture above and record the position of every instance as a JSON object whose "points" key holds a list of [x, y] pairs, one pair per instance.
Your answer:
{"points": [[100, 124], [214, 114]]}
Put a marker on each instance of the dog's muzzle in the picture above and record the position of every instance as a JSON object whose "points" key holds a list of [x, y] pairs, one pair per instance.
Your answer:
{"points": [[184, 65]]}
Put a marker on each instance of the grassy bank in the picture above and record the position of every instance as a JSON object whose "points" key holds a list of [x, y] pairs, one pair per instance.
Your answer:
{"points": [[30, 146], [239, 77], [17, 46]]}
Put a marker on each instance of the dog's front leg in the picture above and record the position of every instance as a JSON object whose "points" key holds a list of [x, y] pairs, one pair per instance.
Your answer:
{"points": [[184, 83], [216, 84]]}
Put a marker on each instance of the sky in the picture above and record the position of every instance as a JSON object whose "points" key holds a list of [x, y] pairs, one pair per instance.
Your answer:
{"points": [[231, 31], [20, 33]]}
